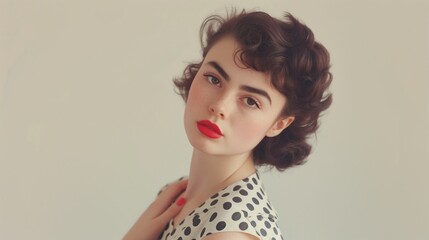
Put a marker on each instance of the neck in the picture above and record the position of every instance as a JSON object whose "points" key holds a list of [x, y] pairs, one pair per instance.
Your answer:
{"points": [[210, 174]]}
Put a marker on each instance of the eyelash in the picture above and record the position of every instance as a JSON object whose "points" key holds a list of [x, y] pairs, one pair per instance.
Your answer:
{"points": [[210, 77], [255, 102]]}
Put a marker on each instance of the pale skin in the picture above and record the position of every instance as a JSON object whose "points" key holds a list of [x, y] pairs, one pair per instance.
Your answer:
{"points": [[151, 223], [246, 107]]}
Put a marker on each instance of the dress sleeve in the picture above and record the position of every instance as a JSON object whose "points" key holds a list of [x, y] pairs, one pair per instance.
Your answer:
{"points": [[263, 226], [220, 221]]}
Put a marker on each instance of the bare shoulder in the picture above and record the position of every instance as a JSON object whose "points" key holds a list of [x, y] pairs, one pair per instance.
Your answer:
{"points": [[231, 235]]}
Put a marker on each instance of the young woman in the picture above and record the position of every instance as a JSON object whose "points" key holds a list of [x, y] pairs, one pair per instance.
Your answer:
{"points": [[253, 100]]}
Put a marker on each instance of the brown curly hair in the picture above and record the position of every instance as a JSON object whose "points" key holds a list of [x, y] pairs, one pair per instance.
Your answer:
{"points": [[299, 68]]}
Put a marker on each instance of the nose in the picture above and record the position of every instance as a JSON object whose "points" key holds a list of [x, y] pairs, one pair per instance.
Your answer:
{"points": [[218, 113], [219, 108]]}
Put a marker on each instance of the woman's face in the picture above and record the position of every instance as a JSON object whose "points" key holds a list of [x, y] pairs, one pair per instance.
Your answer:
{"points": [[239, 101]]}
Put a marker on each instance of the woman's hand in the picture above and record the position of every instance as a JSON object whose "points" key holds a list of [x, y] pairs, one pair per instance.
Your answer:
{"points": [[153, 221]]}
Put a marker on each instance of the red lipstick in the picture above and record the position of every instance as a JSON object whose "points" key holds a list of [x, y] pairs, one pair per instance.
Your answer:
{"points": [[209, 129]]}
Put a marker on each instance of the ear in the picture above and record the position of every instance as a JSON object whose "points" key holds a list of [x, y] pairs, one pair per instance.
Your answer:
{"points": [[279, 126]]}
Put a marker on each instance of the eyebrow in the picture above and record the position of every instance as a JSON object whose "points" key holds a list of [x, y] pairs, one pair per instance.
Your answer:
{"points": [[243, 87], [219, 69], [256, 90]]}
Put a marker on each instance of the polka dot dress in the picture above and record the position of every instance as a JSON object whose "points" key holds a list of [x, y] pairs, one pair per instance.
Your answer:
{"points": [[241, 207]]}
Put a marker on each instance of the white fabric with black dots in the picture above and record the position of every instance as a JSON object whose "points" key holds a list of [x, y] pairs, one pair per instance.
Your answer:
{"points": [[241, 207]]}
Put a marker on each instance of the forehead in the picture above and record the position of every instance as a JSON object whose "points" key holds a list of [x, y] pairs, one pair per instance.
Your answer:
{"points": [[225, 49]]}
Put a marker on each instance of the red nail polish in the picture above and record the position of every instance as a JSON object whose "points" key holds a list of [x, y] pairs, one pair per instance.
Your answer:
{"points": [[181, 201]]}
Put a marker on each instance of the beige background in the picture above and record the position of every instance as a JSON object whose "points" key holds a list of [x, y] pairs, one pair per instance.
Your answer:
{"points": [[90, 127]]}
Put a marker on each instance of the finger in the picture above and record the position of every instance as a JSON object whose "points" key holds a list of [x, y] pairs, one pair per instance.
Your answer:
{"points": [[169, 195], [159, 223], [172, 211]]}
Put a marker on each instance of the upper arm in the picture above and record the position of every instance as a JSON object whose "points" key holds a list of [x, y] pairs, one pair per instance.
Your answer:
{"points": [[230, 235]]}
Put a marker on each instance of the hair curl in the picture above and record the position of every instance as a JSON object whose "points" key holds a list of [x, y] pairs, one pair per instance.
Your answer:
{"points": [[299, 68]]}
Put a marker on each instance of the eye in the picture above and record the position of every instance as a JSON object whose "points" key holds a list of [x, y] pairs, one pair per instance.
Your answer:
{"points": [[251, 102], [213, 80]]}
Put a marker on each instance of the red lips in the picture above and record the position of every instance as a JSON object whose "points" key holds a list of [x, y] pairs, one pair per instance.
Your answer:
{"points": [[209, 129]]}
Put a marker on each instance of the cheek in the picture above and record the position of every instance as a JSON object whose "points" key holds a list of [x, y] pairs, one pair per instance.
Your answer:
{"points": [[193, 97], [197, 100], [252, 130], [197, 92]]}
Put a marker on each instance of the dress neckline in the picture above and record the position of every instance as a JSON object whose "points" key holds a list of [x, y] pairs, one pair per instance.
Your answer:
{"points": [[220, 192]]}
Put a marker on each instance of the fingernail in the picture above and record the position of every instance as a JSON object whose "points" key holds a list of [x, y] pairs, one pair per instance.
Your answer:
{"points": [[181, 201]]}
